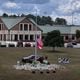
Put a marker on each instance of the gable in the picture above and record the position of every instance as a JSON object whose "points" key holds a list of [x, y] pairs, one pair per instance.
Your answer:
{"points": [[3, 25], [36, 25], [25, 21], [10, 21]]}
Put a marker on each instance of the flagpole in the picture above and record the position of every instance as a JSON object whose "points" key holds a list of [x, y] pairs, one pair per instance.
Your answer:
{"points": [[36, 37]]}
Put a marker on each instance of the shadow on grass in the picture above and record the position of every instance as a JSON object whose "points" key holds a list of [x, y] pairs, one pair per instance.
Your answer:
{"points": [[55, 51]]}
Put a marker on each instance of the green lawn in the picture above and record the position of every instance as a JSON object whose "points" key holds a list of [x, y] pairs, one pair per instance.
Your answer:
{"points": [[9, 56]]}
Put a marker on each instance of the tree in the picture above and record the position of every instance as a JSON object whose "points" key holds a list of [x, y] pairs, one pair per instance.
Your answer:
{"points": [[49, 20], [60, 21], [5, 15], [14, 15], [77, 34], [31, 16], [23, 15], [41, 20], [54, 39]]}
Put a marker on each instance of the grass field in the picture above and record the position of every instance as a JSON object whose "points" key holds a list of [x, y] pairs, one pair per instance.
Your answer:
{"points": [[9, 56]]}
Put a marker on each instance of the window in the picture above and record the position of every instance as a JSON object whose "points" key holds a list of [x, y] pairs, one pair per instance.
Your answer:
{"points": [[66, 38], [4, 37], [0, 36], [16, 37], [73, 37], [26, 27], [31, 37], [21, 27], [21, 37], [30, 27], [26, 37]]}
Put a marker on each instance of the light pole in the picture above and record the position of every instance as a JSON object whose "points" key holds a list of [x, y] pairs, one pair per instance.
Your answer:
{"points": [[36, 37]]}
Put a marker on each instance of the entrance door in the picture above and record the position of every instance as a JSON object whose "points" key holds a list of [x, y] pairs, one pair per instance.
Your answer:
{"points": [[16, 37]]}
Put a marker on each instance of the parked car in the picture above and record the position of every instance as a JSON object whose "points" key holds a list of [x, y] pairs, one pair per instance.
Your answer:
{"points": [[31, 58], [19, 44], [69, 45], [27, 45], [74, 43]]}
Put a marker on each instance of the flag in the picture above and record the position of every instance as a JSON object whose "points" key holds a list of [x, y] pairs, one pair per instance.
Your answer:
{"points": [[39, 43]]}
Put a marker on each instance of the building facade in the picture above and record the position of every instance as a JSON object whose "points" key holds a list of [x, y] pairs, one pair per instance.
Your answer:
{"points": [[18, 29], [23, 29], [67, 31]]}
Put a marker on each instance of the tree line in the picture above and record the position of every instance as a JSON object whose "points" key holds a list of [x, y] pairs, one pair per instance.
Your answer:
{"points": [[41, 20]]}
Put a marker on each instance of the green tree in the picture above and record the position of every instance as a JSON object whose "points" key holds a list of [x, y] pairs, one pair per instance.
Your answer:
{"points": [[14, 15], [60, 21], [5, 15], [54, 39], [41, 20], [77, 33], [23, 15], [47, 20], [31, 16]]}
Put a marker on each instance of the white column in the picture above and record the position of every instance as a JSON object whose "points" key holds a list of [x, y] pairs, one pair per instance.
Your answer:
{"points": [[64, 38], [18, 37], [34, 36], [75, 38], [28, 36], [13, 37], [6, 37]]}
